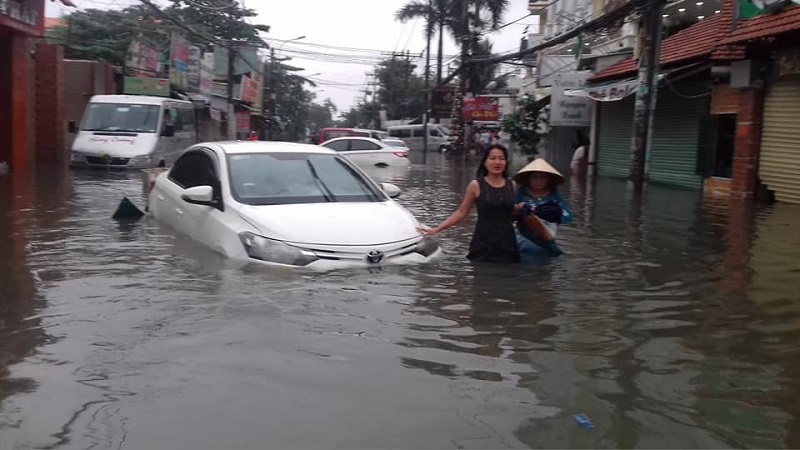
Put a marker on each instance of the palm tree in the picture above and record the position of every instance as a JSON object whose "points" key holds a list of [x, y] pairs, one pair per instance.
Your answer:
{"points": [[437, 14]]}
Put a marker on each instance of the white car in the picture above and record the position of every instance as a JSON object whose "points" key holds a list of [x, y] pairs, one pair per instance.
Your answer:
{"points": [[396, 143], [368, 152], [286, 204]]}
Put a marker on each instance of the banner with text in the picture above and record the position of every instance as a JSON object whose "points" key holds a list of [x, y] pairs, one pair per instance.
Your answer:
{"points": [[179, 62], [566, 111], [481, 109]]}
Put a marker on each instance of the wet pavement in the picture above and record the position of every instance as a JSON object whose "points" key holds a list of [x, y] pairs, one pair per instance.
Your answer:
{"points": [[670, 323]]}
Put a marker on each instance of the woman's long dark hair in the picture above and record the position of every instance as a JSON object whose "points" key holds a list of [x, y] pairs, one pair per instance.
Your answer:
{"points": [[482, 172]]}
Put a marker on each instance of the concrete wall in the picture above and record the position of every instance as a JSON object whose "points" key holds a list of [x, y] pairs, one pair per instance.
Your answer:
{"points": [[82, 80]]}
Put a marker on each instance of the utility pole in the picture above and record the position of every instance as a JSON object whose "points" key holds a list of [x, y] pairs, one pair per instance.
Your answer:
{"points": [[271, 99], [650, 12], [458, 105], [426, 114], [231, 110]]}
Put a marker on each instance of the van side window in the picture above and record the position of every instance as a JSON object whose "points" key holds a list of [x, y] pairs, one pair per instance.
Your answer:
{"points": [[175, 119], [187, 118]]}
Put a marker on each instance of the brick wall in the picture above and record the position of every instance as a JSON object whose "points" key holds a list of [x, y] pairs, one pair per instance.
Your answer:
{"points": [[748, 144], [724, 100], [49, 104], [16, 139], [82, 80]]}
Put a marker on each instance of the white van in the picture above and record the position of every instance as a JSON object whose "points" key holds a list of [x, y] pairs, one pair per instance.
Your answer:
{"points": [[133, 131], [438, 136]]}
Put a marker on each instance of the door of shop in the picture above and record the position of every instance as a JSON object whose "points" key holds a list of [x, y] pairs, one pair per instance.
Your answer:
{"points": [[615, 127], [779, 164], [681, 134]]}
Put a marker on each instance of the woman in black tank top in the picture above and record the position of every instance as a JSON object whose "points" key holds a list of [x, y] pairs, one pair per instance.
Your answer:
{"points": [[493, 192]]}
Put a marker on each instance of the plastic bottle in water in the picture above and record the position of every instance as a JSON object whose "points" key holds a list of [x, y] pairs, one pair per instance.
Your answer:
{"points": [[583, 421]]}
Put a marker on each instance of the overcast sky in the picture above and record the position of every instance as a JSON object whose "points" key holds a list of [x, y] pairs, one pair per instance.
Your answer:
{"points": [[343, 39]]}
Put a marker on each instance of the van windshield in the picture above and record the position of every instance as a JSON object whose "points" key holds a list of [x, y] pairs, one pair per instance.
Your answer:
{"points": [[121, 117]]}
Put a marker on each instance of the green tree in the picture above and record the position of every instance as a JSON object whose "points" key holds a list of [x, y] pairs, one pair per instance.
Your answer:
{"points": [[321, 115], [363, 115], [293, 103], [526, 125], [437, 14], [401, 92], [104, 35]]}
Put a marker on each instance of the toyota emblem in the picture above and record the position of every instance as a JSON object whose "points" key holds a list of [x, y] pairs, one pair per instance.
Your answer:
{"points": [[375, 256]]}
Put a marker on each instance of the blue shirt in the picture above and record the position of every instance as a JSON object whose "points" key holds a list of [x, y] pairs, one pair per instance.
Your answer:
{"points": [[523, 196]]}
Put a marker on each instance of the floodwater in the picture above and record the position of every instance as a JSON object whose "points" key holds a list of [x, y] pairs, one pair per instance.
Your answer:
{"points": [[670, 323]]}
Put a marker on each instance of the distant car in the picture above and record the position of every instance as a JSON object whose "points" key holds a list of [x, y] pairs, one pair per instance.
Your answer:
{"points": [[368, 152], [286, 204], [396, 143]]}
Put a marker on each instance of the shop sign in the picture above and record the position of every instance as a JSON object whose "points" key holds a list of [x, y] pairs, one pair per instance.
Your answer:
{"points": [[146, 86], [481, 109], [243, 122], [442, 102], [179, 62], [141, 60], [207, 74], [26, 16], [569, 111], [248, 89], [193, 68]]}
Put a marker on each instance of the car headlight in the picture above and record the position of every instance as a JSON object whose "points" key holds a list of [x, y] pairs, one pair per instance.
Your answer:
{"points": [[75, 156], [427, 246], [270, 250]]}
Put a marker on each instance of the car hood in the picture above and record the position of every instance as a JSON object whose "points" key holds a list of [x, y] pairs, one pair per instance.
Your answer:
{"points": [[333, 223]]}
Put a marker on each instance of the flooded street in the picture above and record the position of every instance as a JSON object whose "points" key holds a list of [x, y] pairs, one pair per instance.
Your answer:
{"points": [[670, 323]]}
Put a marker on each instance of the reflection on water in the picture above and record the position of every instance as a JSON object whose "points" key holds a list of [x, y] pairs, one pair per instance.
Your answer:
{"points": [[670, 323]]}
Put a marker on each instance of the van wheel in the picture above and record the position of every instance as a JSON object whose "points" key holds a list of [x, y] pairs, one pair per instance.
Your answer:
{"points": [[162, 163]]}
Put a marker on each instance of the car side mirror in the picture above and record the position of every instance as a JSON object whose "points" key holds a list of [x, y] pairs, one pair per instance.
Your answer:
{"points": [[169, 130], [391, 190], [199, 195], [72, 127]]}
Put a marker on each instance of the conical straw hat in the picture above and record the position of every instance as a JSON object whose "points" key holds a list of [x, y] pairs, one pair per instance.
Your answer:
{"points": [[538, 165]]}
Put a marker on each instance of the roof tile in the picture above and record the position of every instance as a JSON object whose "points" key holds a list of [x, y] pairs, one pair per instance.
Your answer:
{"points": [[765, 25], [686, 45]]}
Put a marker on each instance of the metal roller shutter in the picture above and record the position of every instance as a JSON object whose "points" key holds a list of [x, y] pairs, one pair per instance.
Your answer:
{"points": [[615, 124], [779, 164], [679, 118]]}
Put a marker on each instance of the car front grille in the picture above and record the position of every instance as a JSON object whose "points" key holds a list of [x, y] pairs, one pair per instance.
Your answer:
{"points": [[101, 161]]}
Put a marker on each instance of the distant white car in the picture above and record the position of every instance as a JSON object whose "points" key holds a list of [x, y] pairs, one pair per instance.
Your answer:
{"points": [[396, 143], [367, 152], [286, 204]]}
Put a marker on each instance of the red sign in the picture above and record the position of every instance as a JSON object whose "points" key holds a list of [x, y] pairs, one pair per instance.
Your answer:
{"points": [[26, 16], [481, 109], [249, 90], [242, 122]]}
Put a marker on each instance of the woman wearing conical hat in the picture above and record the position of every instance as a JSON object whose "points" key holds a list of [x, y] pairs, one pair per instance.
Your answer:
{"points": [[544, 208]]}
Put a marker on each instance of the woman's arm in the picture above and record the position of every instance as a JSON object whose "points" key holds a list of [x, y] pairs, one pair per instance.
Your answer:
{"points": [[566, 213], [471, 194]]}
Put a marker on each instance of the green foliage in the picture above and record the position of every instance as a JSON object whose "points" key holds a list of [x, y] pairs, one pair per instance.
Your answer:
{"points": [[104, 35], [524, 125], [293, 104], [401, 92], [363, 115], [321, 115]]}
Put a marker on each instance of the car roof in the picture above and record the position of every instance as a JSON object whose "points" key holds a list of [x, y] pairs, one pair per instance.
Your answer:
{"points": [[134, 99], [361, 138], [239, 147]]}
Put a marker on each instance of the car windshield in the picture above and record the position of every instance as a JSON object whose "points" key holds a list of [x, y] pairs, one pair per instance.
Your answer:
{"points": [[121, 117], [289, 178], [394, 142]]}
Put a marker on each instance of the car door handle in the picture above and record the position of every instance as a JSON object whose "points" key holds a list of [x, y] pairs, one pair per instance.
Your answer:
{"points": [[160, 197], [178, 211]]}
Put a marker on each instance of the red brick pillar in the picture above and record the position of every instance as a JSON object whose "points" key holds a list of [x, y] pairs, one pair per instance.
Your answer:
{"points": [[748, 144], [50, 126], [15, 136]]}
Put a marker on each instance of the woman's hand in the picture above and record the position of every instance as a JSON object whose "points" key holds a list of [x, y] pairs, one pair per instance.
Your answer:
{"points": [[518, 207], [426, 231]]}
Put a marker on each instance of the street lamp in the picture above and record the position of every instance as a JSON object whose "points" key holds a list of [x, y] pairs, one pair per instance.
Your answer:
{"points": [[271, 84]]}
